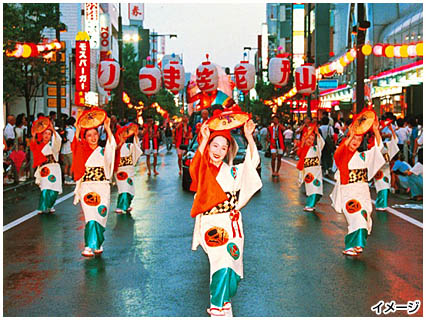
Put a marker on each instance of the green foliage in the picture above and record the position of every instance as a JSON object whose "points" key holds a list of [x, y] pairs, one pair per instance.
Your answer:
{"points": [[257, 108], [25, 22], [267, 91]]}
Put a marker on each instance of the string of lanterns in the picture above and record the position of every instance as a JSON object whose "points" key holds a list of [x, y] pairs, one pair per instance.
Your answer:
{"points": [[27, 49], [140, 106]]}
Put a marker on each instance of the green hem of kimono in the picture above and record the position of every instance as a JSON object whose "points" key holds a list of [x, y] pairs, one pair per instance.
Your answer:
{"points": [[47, 199], [312, 200], [223, 286], [382, 198], [93, 235], [357, 238], [124, 200]]}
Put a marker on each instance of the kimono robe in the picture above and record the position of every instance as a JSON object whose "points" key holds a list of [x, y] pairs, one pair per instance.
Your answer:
{"points": [[382, 179], [93, 191], [126, 159], [219, 230], [48, 175], [312, 173], [351, 194]]}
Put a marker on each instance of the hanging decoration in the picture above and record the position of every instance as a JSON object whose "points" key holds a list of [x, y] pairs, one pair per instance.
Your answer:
{"points": [[26, 50], [279, 70], [108, 74], [149, 79], [306, 80], [244, 76], [207, 76], [174, 76]]}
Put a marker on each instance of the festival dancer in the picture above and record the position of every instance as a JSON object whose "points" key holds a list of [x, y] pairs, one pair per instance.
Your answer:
{"points": [[182, 135], [45, 146], [276, 141], [150, 136], [382, 179], [93, 167], [351, 194], [309, 165], [222, 189], [126, 157]]}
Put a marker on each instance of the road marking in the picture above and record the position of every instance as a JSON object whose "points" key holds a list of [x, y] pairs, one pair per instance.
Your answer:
{"points": [[35, 212], [390, 210]]}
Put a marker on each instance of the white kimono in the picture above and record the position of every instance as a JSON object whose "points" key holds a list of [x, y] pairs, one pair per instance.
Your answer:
{"points": [[382, 180], [130, 153], [356, 196], [312, 176], [49, 176], [245, 179], [95, 195]]}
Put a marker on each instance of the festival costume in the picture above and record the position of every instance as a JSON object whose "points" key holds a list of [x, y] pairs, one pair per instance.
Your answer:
{"points": [[181, 136], [48, 174], [92, 169], [150, 144], [351, 194], [310, 171], [125, 161], [382, 179], [221, 193], [276, 139]]}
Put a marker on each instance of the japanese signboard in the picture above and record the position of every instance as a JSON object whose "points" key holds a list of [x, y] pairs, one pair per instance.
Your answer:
{"points": [[105, 35], [91, 23], [82, 64], [136, 11]]}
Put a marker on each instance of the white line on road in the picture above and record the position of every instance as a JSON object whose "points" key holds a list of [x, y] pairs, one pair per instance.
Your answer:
{"points": [[390, 210], [35, 212]]}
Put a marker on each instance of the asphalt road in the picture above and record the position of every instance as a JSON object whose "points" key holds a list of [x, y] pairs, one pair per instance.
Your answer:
{"points": [[292, 259]]}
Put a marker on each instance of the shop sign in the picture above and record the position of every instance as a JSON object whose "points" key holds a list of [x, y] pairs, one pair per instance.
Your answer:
{"points": [[91, 23], [82, 68]]}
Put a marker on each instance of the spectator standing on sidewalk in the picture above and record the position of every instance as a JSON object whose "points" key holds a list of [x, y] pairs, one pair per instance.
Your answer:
{"points": [[327, 133], [9, 129], [66, 152]]}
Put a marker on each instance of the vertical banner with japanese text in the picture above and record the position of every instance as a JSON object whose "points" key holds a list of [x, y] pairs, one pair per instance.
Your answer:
{"points": [[82, 65], [91, 23], [105, 34]]}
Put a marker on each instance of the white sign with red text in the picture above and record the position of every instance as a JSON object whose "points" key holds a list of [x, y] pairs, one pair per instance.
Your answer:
{"points": [[91, 23]]}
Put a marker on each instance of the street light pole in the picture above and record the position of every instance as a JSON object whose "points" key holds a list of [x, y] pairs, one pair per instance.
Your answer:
{"points": [[360, 59], [309, 53], [59, 78], [120, 61]]}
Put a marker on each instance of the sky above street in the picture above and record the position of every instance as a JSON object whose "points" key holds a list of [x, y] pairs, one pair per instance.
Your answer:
{"points": [[219, 29]]}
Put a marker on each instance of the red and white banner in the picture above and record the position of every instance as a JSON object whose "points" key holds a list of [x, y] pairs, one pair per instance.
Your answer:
{"points": [[244, 76], [91, 23], [136, 11], [82, 66], [105, 35]]}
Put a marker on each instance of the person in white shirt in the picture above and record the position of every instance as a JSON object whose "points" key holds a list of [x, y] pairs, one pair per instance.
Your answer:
{"points": [[9, 132], [263, 137], [66, 152], [288, 138]]}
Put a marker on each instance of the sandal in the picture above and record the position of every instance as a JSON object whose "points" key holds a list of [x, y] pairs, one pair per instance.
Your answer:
{"points": [[350, 252], [87, 252], [99, 251], [227, 307], [358, 249], [216, 312]]}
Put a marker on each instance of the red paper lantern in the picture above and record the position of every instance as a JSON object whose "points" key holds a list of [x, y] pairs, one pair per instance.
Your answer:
{"points": [[174, 76], [306, 80], [149, 80], [207, 77], [244, 76], [108, 74], [279, 70]]}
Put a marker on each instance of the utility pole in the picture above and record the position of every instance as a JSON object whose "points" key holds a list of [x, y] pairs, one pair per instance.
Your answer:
{"points": [[120, 62], [59, 77], [360, 59], [309, 54]]}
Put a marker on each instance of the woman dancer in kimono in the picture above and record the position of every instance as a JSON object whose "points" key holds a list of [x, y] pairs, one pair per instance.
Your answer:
{"points": [[222, 189], [309, 165], [126, 157], [45, 147], [351, 194], [93, 167], [382, 179]]}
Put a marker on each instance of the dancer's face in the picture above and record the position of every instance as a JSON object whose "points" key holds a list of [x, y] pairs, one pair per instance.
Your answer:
{"points": [[218, 149], [47, 135], [310, 140], [355, 143], [92, 137]]}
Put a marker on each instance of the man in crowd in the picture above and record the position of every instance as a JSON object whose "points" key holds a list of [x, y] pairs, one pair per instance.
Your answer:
{"points": [[150, 136], [66, 153], [9, 130], [276, 142], [182, 135]]}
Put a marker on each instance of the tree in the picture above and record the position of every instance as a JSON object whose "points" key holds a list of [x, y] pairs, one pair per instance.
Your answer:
{"points": [[26, 22]]}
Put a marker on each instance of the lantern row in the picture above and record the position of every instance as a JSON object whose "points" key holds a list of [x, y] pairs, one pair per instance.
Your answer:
{"points": [[140, 105], [26, 50]]}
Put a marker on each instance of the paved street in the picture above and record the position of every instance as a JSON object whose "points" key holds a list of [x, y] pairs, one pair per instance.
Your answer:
{"points": [[292, 259]]}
